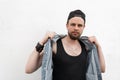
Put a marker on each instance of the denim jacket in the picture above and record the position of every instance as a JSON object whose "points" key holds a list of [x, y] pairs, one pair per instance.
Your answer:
{"points": [[93, 66]]}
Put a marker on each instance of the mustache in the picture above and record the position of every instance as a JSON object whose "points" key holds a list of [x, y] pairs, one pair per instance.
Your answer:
{"points": [[75, 32]]}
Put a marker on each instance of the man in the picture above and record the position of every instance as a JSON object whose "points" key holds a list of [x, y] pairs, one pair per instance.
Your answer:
{"points": [[69, 52]]}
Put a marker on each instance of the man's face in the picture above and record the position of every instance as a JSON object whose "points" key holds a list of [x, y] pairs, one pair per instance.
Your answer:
{"points": [[75, 27]]}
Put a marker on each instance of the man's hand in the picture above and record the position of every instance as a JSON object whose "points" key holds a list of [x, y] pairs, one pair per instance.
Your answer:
{"points": [[93, 40], [46, 37]]}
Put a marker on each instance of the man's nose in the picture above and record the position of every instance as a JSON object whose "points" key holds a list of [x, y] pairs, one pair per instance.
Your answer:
{"points": [[76, 26]]}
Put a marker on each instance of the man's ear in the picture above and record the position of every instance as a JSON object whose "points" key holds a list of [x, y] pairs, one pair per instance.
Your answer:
{"points": [[66, 25], [84, 25]]}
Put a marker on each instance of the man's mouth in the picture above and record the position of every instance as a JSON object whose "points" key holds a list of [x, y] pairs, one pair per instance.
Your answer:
{"points": [[75, 33]]}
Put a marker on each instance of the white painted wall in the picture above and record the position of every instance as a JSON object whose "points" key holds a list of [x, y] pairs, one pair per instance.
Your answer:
{"points": [[24, 22]]}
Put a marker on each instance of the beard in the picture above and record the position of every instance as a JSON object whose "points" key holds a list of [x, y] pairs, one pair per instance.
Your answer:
{"points": [[74, 35]]}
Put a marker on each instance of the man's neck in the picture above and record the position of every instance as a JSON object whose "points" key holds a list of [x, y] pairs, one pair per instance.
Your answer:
{"points": [[71, 41]]}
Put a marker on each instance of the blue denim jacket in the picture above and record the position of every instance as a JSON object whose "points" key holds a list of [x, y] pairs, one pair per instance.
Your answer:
{"points": [[93, 66]]}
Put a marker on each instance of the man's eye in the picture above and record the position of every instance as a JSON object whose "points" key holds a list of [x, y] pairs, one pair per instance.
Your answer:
{"points": [[80, 25], [73, 24]]}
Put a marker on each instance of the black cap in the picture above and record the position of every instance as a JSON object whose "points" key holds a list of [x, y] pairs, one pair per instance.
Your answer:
{"points": [[76, 13]]}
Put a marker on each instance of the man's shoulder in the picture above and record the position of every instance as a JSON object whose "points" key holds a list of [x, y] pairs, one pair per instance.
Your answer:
{"points": [[58, 36]]}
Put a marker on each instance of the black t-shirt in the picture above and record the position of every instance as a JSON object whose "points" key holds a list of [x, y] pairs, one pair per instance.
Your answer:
{"points": [[68, 67]]}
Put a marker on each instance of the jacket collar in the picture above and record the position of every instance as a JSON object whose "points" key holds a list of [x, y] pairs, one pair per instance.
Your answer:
{"points": [[83, 39]]}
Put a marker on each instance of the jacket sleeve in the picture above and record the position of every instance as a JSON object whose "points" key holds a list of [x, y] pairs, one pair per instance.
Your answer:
{"points": [[93, 67], [46, 71]]}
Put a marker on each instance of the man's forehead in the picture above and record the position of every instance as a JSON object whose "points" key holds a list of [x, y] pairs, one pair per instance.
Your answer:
{"points": [[76, 20]]}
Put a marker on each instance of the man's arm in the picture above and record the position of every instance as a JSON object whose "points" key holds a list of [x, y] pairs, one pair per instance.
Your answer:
{"points": [[34, 61], [100, 53], [35, 58]]}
